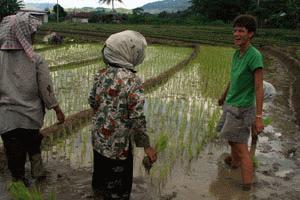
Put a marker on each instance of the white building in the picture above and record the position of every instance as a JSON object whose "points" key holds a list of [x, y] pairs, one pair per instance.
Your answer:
{"points": [[42, 15]]}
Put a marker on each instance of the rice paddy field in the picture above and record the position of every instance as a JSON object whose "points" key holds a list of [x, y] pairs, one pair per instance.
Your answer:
{"points": [[181, 111], [201, 34], [181, 114], [72, 84]]}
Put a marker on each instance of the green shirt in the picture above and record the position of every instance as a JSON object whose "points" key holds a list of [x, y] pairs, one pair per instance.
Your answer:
{"points": [[241, 92]]}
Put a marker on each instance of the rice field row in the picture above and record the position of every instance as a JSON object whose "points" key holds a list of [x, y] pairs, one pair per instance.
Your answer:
{"points": [[71, 53], [181, 117], [72, 85]]}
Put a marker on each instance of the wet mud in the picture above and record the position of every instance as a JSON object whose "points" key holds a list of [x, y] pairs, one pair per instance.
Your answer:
{"points": [[277, 175]]}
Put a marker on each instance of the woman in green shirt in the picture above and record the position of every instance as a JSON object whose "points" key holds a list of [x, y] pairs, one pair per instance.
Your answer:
{"points": [[243, 98]]}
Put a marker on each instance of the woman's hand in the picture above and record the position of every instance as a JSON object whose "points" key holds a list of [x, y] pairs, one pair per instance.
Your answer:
{"points": [[151, 153], [59, 115], [259, 126], [221, 101]]}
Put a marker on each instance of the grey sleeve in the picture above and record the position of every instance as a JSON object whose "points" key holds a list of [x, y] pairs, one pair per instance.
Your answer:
{"points": [[45, 84]]}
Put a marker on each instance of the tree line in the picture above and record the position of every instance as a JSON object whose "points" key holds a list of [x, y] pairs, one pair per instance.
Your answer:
{"points": [[273, 13], [269, 13]]}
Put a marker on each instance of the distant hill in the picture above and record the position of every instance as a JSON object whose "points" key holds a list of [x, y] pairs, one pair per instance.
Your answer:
{"points": [[43, 6], [167, 5], [39, 6], [106, 10]]}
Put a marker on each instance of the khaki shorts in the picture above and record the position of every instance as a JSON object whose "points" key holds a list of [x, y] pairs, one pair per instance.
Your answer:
{"points": [[235, 123]]}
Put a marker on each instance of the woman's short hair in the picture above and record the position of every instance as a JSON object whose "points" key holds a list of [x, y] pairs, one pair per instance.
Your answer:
{"points": [[247, 21]]}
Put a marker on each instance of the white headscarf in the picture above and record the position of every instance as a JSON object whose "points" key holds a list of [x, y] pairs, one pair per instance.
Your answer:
{"points": [[125, 49]]}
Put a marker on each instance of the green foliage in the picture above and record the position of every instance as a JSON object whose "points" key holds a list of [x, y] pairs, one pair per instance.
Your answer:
{"points": [[267, 121], [110, 2], [9, 7], [19, 191], [255, 162], [205, 34], [102, 17], [57, 9], [161, 143], [272, 13], [225, 10]]}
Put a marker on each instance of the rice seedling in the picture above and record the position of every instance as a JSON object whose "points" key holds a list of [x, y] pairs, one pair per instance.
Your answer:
{"points": [[19, 191], [160, 58], [267, 121], [72, 85], [181, 115], [255, 162], [76, 149], [162, 142], [71, 53], [72, 88], [40, 46]]}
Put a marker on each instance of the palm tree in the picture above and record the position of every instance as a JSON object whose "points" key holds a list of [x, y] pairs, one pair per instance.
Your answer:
{"points": [[110, 1], [9, 7]]}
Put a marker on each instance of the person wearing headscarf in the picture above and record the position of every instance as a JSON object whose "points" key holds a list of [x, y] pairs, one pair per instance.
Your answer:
{"points": [[25, 90], [117, 98]]}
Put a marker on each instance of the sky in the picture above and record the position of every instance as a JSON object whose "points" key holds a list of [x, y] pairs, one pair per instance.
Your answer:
{"points": [[129, 4]]}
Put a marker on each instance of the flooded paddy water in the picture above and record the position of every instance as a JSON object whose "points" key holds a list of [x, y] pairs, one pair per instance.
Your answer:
{"points": [[181, 117]]}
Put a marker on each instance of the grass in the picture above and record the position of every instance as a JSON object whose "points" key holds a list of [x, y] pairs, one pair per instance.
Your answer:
{"points": [[255, 162], [267, 121], [19, 191]]}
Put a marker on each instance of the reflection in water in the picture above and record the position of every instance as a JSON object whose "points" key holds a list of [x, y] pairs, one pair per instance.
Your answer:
{"points": [[75, 150], [161, 58], [72, 88], [227, 185]]}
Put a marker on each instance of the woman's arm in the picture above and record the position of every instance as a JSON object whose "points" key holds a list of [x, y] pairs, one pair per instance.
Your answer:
{"points": [[259, 95], [137, 118], [46, 90], [92, 95]]}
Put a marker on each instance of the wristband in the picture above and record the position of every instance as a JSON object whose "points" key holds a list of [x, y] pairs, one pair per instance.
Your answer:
{"points": [[259, 116]]}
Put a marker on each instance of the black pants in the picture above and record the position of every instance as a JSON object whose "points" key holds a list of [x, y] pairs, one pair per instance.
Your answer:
{"points": [[113, 178], [17, 144]]}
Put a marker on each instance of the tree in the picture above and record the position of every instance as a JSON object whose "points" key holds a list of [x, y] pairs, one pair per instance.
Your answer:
{"points": [[225, 10], [9, 7], [112, 2], [61, 11], [138, 11]]}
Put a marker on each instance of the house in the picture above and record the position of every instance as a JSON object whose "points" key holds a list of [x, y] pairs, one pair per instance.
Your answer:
{"points": [[82, 17], [42, 15]]}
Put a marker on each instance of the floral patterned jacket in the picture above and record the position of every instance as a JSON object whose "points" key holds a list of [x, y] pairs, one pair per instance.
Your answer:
{"points": [[117, 98]]}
